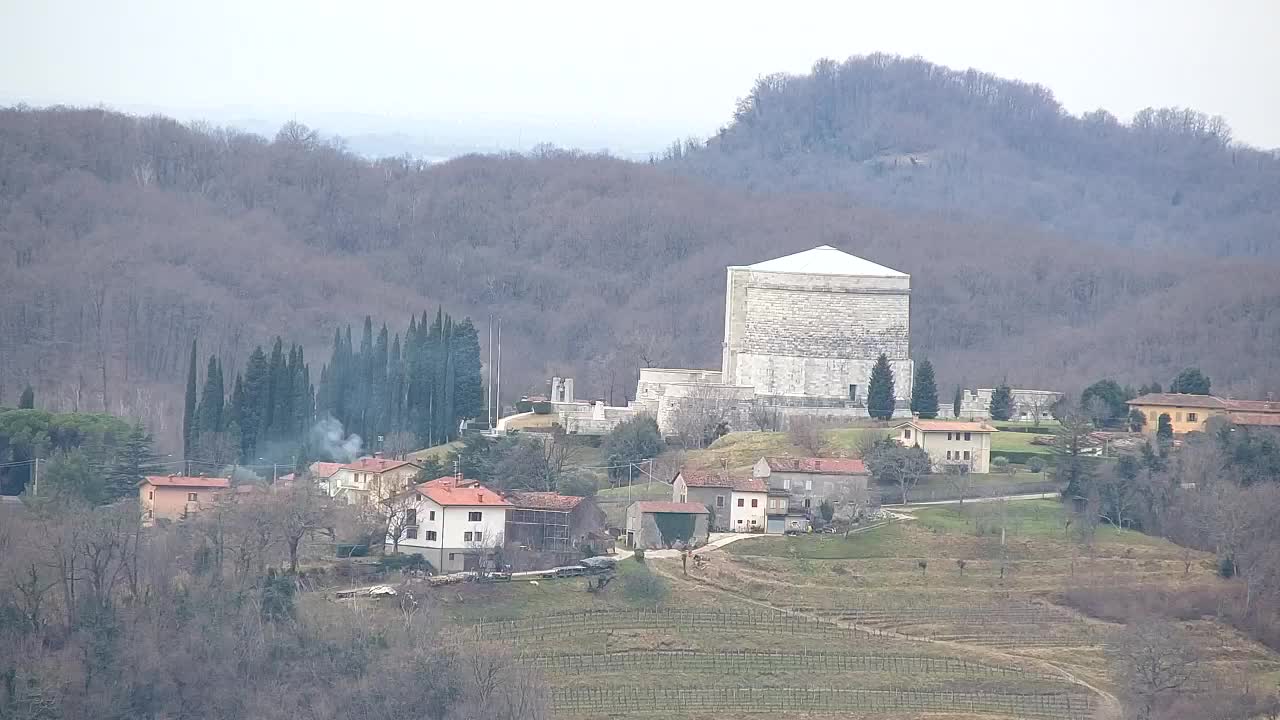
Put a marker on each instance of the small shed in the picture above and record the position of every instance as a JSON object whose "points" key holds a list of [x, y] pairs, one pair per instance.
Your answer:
{"points": [[657, 524]]}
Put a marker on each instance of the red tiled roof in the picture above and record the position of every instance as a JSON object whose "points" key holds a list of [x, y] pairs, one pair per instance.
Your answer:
{"points": [[470, 495], [544, 501], [1180, 400], [832, 466], [948, 426], [377, 465], [1255, 406], [450, 481], [1253, 418], [659, 506], [186, 481], [324, 469], [696, 479]]}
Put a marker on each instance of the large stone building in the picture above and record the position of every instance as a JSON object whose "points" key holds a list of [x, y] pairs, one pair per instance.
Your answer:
{"points": [[802, 333]]}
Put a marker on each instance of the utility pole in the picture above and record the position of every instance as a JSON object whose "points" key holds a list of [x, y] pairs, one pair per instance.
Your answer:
{"points": [[35, 477], [497, 401], [488, 405], [629, 466]]}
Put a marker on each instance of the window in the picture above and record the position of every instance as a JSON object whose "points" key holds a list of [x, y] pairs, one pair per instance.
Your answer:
{"points": [[451, 556], [853, 392], [966, 454], [479, 536], [411, 533], [191, 497], [684, 497], [1191, 417], [948, 436], [429, 535], [739, 521], [786, 483], [466, 536], [431, 514], [755, 502], [151, 495], [473, 516], [906, 433], [948, 454], [968, 436], [741, 502], [806, 502], [808, 484], [410, 517], [719, 501]]}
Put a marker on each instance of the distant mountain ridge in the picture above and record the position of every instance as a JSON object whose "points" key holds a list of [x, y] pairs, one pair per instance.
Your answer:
{"points": [[905, 133]]}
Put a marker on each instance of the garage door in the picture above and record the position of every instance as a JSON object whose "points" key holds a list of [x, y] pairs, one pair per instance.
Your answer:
{"points": [[776, 525]]}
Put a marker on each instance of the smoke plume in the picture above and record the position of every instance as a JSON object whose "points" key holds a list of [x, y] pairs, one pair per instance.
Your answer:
{"points": [[330, 441]]}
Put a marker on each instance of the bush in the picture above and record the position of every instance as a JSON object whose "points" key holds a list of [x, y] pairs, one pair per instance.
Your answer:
{"points": [[402, 561], [542, 407], [639, 555], [524, 406], [1035, 464], [644, 588], [1000, 463]]}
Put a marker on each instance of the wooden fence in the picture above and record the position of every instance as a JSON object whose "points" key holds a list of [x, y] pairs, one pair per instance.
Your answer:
{"points": [[594, 702]]}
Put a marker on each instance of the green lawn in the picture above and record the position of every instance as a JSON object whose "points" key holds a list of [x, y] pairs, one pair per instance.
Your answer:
{"points": [[1018, 442], [614, 500], [877, 543]]}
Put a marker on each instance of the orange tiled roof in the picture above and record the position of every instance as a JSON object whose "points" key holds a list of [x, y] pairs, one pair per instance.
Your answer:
{"points": [[377, 465], [949, 426], [324, 469], [544, 501], [696, 479], [1248, 418], [471, 495], [833, 466]]}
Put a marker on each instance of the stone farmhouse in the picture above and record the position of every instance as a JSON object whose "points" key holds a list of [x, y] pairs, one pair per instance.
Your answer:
{"points": [[801, 335], [950, 444], [806, 482], [736, 504]]}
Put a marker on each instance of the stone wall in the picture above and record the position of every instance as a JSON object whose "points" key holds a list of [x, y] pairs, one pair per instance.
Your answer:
{"points": [[814, 335]]}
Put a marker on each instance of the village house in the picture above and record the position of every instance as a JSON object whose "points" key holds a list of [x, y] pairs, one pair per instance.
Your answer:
{"points": [[1190, 413], [173, 497], [809, 481], [736, 504], [455, 524], [320, 472], [371, 479], [659, 524], [950, 444], [547, 522], [782, 515]]}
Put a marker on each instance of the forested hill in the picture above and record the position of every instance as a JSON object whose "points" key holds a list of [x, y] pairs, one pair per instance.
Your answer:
{"points": [[905, 133], [122, 238]]}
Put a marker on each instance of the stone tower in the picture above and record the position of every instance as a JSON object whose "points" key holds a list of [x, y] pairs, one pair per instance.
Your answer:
{"points": [[808, 327]]}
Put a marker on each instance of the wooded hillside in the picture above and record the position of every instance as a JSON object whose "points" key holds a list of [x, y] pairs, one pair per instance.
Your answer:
{"points": [[122, 238], [898, 132]]}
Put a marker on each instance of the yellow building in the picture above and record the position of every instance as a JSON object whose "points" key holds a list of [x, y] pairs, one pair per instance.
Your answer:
{"points": [[1190, 413]]}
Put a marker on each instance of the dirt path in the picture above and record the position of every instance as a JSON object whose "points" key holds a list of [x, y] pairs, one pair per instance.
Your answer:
{"points": [[1109, 707]]}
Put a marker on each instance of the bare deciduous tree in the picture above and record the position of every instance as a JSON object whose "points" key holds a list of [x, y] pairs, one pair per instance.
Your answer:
{"points": [[1154, 661]]}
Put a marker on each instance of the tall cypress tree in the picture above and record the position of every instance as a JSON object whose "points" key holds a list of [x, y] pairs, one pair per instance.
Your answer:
{"points": [[209, 412], [275, 406], [924, 392], [880, 403], [189, 422], [468, 394], [253, 411], [27, 401], [395, 382], [957, 402], [379, 390]]}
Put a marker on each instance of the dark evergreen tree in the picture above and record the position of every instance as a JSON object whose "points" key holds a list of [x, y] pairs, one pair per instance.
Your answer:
{"points": [[1190, 381], [1002, 403], [134, 460], [253, 409], [189, 429], [28, 399], [924, 392], [1164, 430], [880, 400], [957, 401], [210, 410], [468, 398]]}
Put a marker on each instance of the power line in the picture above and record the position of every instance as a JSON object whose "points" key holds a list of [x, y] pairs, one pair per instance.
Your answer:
{"points": [[19, 462]]}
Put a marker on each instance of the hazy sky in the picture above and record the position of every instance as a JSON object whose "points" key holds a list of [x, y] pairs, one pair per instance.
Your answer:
{"points": [[637, 70]]}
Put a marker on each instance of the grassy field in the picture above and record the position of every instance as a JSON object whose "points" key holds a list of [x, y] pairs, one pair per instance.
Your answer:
{"points": [[1017, 442], [614, 500]]}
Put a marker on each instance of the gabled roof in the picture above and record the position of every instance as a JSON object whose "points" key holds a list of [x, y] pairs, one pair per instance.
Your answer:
{"points": [[1254, 406], [948, 426], [1181, 400], [659, 506], [471, 495], [544, 501], [377, 465], [187, 481], [324, 469], [828, 466], [826, 260], [697, 479]]}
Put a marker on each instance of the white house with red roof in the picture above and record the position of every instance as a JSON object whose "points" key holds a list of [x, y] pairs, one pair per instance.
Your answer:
{"points": [[736, 503], [950, 443], [455, 524], [369, 479], [801, 484]]}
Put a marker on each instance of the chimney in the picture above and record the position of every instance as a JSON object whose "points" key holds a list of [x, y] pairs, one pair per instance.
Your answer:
{"points": [[377, 455]]}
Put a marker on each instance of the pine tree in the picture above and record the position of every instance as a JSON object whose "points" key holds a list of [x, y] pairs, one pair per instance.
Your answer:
{"points": [[957, 402], [134, 460], [209, 412], [1190, 381], [924, 392], [28, 399], [190, 427], [880, 402], [1002, 403], [253, 410]]}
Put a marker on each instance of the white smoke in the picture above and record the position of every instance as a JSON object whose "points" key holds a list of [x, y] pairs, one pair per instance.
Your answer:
{"points": [[329, 441]]}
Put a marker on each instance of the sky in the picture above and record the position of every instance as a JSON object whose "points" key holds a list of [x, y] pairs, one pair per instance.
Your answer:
{"points": [[631, 76]]}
